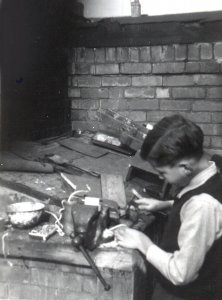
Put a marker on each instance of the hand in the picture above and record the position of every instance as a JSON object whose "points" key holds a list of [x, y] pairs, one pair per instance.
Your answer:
{"points": [[152, 204], [133, 239]]}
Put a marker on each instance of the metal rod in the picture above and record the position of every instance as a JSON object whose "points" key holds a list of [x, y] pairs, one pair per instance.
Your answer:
{"points": [[107, 287]]}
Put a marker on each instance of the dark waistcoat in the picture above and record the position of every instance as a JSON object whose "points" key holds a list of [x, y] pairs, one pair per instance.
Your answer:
{"points": [[208, 285]]}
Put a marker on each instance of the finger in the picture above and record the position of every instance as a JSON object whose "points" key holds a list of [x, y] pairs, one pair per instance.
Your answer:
{"points": [[145, 207], [140, 200]]}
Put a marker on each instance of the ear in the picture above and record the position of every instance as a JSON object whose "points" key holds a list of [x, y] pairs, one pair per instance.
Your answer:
{"points": [[186, 166]]}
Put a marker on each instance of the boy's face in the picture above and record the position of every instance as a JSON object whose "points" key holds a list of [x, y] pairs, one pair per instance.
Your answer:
{"points": [[177, 174]]}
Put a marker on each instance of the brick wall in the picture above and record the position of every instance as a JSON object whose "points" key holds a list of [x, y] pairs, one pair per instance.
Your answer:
{"points": [[148, 83], [34, 280]]}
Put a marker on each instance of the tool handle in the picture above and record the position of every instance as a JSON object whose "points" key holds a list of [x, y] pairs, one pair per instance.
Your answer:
{"points": [[107, 287]]}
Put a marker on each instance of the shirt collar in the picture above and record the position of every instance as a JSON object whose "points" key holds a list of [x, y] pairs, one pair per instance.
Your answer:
{"points": [[199, 179]]}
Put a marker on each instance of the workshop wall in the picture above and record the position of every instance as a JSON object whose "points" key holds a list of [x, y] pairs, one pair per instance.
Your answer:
{"points": [[148, 83], [34, 280]]}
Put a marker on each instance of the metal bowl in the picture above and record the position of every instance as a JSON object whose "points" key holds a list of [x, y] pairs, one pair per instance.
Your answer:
{"points": [[24, 214]]}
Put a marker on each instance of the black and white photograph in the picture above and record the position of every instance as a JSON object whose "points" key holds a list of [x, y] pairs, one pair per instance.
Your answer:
{"points": [[110, 150]]}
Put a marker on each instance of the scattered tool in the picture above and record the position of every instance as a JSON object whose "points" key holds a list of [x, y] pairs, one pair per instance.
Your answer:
{"points": [[60, 162], [18, 164]]}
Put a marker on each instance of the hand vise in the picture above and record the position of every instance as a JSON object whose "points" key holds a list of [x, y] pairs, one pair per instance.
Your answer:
{"points": [[89, 223]]}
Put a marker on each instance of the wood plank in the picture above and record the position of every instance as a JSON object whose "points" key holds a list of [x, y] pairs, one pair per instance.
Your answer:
{"points": [[87, 149], [113, 188], [148, 30], [111, 163], [29, 191]]}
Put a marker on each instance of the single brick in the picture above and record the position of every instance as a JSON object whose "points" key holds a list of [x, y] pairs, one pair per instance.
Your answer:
{"points": [[48, 293], [203, 117], [135, 68], [88, 125], [110, 54], [46, 277], [72, 281], [180, 52], [184, 92], [155, 116], [79, 115], [134, 54], [92, 115], [106, 69], [114, 104], [178, 80], [162, 53], [3, 290], [123, 286], [207, 105], [207, 141], [216, 141], [116, 81], [82, 68], [94, 93], [39, 264], [139, 92], [193, 52], [122, 54], [139, 116], [173, 105], [218, 51], [89, 55], [206, 51], [145, 54], [73, 93], [192, 67], [208, 79], [18, 291], [89, 81], [217, 117], [89, 284], [215, 92], [209, 67], [162, 93], [146, 80], [168, 68], [74, 81], [198, 117], [116, 92], [80, 55], [168, 53], [85, 104], [143, 104], [211, 129], [100, 56], [156, 53]]}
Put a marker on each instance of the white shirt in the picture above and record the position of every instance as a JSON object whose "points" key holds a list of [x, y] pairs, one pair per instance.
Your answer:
{"points": [[201, 225]]}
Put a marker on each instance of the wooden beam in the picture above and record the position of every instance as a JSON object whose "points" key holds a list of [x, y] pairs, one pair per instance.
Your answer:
{"points": [[146, 30]]}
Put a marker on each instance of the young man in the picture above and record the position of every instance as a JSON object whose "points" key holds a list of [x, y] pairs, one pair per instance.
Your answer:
{"points": [[189, 259]]}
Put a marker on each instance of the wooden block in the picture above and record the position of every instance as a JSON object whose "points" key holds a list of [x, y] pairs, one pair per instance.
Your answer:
{"points": [[113, 188]]}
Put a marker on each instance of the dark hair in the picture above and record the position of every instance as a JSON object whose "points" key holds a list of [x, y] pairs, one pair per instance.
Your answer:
{"points": [[172, 139]]}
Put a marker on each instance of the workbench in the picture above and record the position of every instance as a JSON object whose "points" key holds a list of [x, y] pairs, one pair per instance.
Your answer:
{"points": [[33, 269]]}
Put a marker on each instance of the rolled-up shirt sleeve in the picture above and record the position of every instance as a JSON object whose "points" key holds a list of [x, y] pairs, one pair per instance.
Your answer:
{"points": [[201, 225]]}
